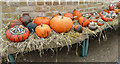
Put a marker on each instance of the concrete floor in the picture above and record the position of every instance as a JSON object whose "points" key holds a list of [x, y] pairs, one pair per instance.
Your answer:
{"points": [[106, 51]]}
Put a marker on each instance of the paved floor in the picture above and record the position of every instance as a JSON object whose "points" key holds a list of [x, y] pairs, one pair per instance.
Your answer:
{"points": [[106, 51]]}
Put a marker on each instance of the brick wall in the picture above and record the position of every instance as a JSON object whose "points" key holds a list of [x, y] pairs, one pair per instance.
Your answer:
{"points": [[10, 9]]}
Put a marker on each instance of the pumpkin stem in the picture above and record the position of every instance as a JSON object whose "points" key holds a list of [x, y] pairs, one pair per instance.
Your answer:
{"points": [[41, 25], [60, 14], [74, 9]]}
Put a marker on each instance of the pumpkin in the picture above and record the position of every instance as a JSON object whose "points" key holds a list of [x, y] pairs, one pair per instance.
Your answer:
{"points": [[68, 15], [61, 24], [31, 26], [76, 13], [93, 19], [43, 30], [78, 28], [59, 14], [83, 21], [25, 19], [106, 17], [118, 5], [42, 20], [17, 33], [92, 25], [14, 22], [111, 7], [100, 22], [87, 15], [95, 14]]}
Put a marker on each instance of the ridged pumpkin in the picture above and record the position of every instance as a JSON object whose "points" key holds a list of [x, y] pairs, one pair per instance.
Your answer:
{"points": [[17, 33], [83, 21], [76, 13], [68, 15], [42, 20], [15, 22], [61, 24], [43, 30]]}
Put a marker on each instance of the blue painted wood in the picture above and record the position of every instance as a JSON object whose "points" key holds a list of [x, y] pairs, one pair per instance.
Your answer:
{"points": [[86, 46], [12, 61], [83, 48]]}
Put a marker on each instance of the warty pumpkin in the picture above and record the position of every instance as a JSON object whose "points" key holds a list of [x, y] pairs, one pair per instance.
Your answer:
{"points": [[43, 30], [61, 24], [17, 33]]}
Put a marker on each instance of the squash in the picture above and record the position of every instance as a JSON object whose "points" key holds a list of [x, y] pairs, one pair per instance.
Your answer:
{"points": [[61, 24], [83, 21], [17, 33], [14, 23], [78, 28], [100, 22], [92, 25], [43, 30], [69, 15], [76, 13], [25, 19], [31, 26], [42, 20]]}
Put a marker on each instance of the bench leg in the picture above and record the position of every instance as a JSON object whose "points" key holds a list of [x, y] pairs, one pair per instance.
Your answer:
{"points": [[12, 61], [83, 48], [86, 46]]}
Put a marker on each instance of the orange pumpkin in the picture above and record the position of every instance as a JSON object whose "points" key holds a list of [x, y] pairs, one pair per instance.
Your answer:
{"points": [[68, 15], [59, 14], [17, 33], [15, 22], [42, 20], [43, 30], [106, 18], [77, 13], [83, 21], [100, 22], [61, 24]]}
